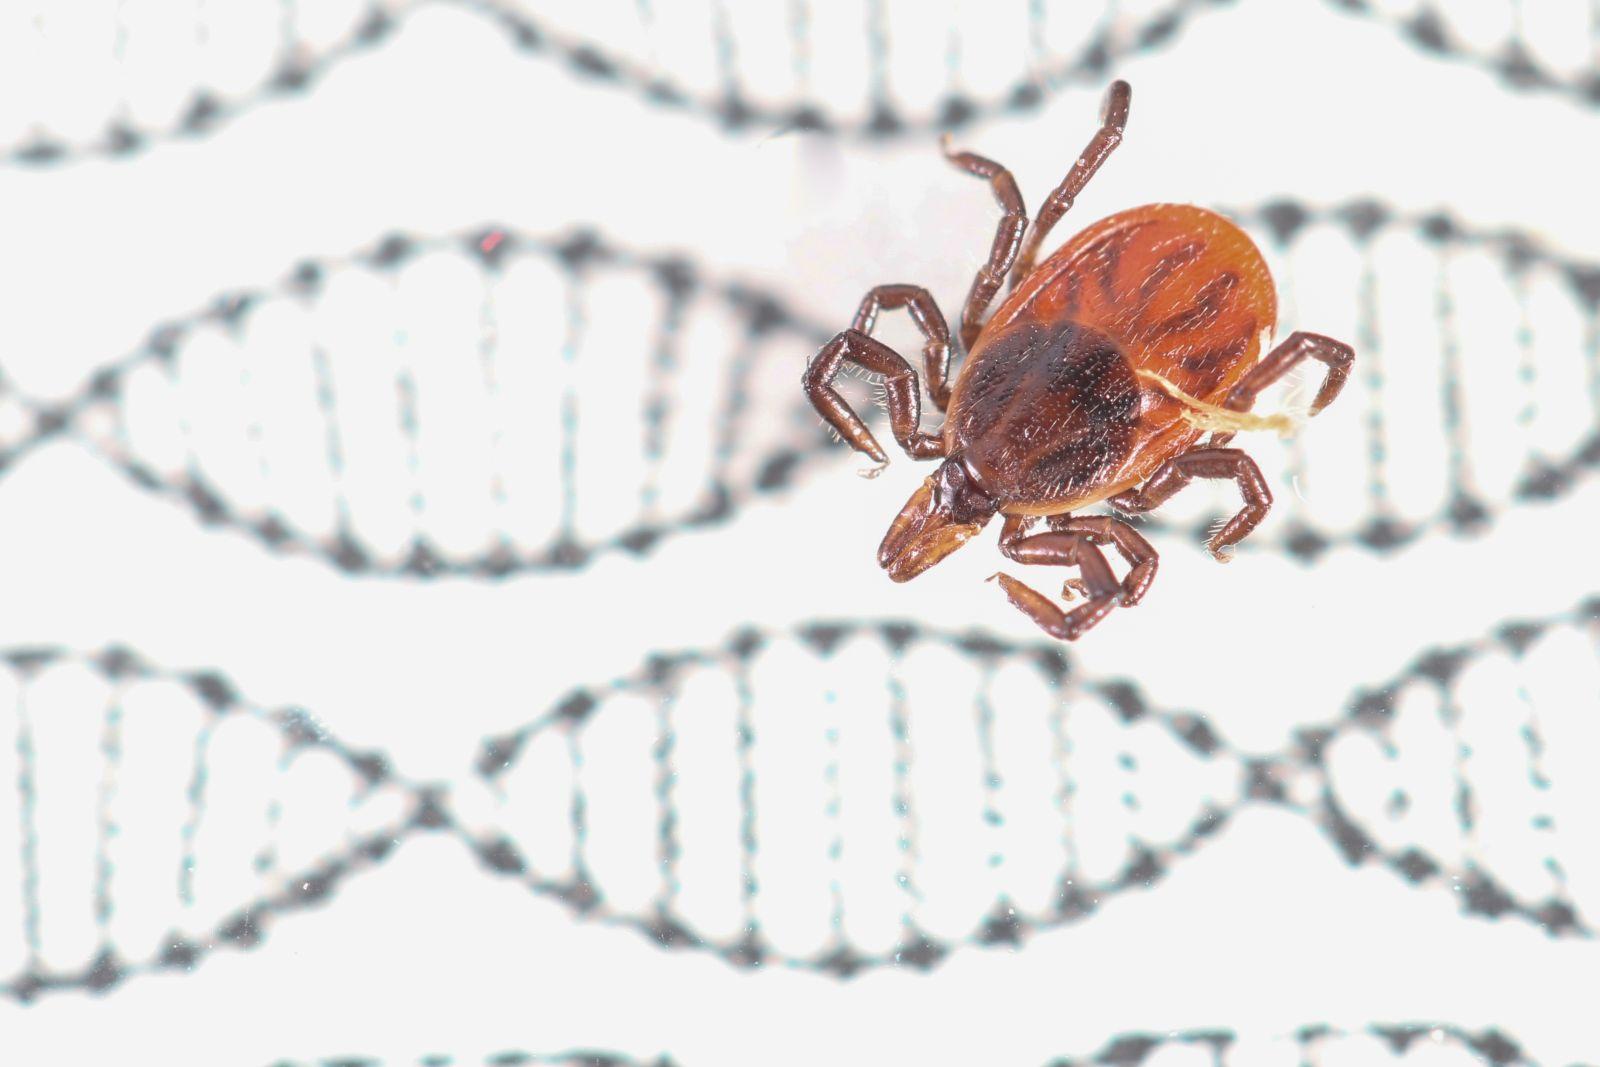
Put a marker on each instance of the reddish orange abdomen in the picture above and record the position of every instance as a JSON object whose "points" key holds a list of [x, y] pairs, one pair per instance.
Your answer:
{"points": [[1181, 289]]}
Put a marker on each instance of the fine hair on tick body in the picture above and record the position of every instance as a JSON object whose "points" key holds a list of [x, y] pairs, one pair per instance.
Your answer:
{"points": [[1116, 371]]}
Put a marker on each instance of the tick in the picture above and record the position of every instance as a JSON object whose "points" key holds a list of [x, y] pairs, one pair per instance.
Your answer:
{"points": [[1094, 381]]}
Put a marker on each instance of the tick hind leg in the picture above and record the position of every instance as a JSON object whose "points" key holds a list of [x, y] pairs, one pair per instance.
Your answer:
{"points": [[1074, 543], [901, 397], [1335, 355], [1229, 463], [1139, 554], [1113, 118]]}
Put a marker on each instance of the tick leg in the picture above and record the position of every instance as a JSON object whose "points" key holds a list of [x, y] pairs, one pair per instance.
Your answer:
{"points": [[1275, 364], [1113, 117], [1176, 473], [1007, 238], [1141, 556], [1060, 548], [929, 319], [900, 392]]}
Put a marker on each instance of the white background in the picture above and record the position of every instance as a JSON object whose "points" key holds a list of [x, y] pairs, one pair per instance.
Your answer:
{"points": [[446, 127]]}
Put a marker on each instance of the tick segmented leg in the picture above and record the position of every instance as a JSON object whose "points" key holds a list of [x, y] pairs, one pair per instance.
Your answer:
{"points": [[1336, 355], [1140, 555], [929, 319], [1113, 118], [900, 389], [1060, 549], [1176, 473], [1007, 237]]}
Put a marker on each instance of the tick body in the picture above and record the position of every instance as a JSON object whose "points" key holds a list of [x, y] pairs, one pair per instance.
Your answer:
{"points": [[1116, 371]]}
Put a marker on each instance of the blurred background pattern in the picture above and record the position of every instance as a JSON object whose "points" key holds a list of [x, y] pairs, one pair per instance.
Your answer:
{"points": [[489, 393]]}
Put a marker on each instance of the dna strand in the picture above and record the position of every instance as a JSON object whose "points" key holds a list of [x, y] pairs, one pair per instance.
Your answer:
{"points": [[457, 405], [745, 72], [870, 69], [493, 402], [507, 1058], [833, 798], [742, 72], [1312, 1046], [1554, 46], [999, 793], [1453, 437], [139, 75], [80, 82], [180, 817], [1375, 1043], [74, 86]]}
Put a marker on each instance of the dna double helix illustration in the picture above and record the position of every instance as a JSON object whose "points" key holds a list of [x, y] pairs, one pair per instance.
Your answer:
{"points": [[837, 798], [708, 59], [1548, 46], [121, 80], [1314, 1044], [758, 802], [332, 413]]}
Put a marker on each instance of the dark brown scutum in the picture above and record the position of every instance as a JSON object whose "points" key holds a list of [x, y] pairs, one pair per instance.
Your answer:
{"points": [[1049, 411], [1046, 411]]}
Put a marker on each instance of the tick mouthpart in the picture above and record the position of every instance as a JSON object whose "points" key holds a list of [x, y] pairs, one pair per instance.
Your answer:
{"points": [[908, 525], [929, 548], [945, 512]]}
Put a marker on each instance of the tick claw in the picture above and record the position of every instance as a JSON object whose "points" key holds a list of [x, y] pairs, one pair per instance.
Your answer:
{"points": [[1018, 425]]}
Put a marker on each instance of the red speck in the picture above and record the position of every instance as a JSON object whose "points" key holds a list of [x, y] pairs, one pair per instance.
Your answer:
{"points": [[491, 241]]}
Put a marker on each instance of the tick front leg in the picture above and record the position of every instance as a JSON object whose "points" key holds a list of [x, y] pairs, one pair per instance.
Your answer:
{"points": [[1176, 473], [929, 319], [900, 389], [1007, 238], [1060, 548], [1113, 118]]}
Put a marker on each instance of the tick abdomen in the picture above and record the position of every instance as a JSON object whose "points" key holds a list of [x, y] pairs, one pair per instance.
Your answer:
{"points": [[1095, 379], [1181, 289], [1170, 290]]}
